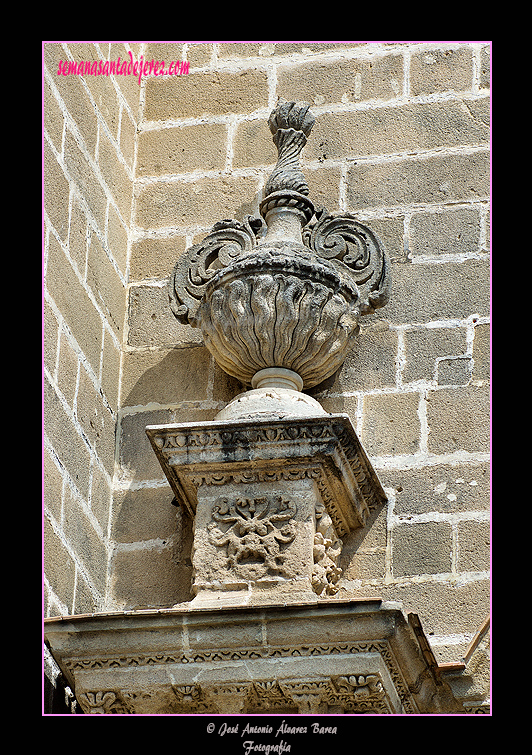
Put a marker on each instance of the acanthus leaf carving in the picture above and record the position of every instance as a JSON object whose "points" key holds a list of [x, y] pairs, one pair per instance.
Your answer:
{"points": [[360, 686], [228, 240], [344, 239], [187, 694], [310, 695], [101, 701]]}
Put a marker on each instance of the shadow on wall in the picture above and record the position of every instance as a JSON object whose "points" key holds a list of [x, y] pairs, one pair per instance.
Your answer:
{"points": [[156, 571], [151, 565], [167, 377]]}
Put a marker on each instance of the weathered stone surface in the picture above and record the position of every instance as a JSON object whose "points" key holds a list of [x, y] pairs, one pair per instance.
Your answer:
{"points": [[187, 452], [271, 500], [423, 548], [388, 130], [172, 209], [347, 657], [260, 536], [272, 309], [441, 488], [424, 348], [205, 93], [271, 402], [459, 418], [165, 377], [391, 423], [470, 679], [439, 70], [453, 178], [179, 150]]}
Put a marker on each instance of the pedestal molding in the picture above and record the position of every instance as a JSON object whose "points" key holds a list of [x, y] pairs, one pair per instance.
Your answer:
{"points": [[325, 448]]}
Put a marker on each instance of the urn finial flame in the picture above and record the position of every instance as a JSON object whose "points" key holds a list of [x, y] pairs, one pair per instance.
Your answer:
{"points": [[290, 124], [295, 115]]}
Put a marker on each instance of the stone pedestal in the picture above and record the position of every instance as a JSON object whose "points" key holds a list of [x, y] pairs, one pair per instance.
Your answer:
{"points": [[271, 500]]}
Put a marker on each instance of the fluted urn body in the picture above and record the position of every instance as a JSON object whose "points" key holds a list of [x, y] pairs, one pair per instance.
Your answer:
{"points": [[277, 309]]}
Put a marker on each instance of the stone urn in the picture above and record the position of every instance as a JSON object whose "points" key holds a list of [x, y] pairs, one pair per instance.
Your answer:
{"points": [[278, 298]]}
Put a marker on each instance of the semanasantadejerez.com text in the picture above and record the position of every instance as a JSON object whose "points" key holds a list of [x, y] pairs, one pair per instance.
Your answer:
{"points": [[131, 67]]}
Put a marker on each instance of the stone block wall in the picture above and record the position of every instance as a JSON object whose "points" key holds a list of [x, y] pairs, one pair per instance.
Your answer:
{"points": [[89, 142], [402, 140]]}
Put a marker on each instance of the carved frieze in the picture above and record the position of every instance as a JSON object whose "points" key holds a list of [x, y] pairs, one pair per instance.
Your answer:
{"points": [[345, 694], [193, 656]]}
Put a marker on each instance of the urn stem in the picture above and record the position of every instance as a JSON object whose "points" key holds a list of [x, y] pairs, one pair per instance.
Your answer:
{"points": [[277, 377]]}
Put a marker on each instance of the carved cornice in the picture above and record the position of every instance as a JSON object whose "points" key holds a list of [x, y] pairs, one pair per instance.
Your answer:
{"points": [[349, 654], [353, 693], [323, 448], [125, 660]]}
